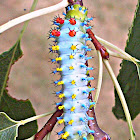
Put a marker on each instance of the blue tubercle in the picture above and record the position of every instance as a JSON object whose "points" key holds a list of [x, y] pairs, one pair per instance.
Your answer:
{"points": [[64, 14], [91, 131], [83, 23], [85, 92], [60, 103], [80, 133], [89, 27], [90, 118], [58, 118], [61, 132], [91, 89], [85, 10], [90, 19], [87, 58], [84, 138], [58, 92], [80, 8]]}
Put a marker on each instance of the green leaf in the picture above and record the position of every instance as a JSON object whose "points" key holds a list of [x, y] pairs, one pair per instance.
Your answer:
{"points": [[128, 77], [7, 59], [8, 127], [16, 109], [138, 69]]}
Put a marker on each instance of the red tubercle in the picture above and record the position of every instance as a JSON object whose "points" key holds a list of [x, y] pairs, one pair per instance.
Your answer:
{"points": [[59, 20], [104, 138], [55, 33], [72, 21], [72, 33]]}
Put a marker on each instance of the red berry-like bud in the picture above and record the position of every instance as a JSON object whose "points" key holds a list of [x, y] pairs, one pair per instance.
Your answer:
{"points": [[55, 33], [72, 33], [59, 20], [72, 21]]}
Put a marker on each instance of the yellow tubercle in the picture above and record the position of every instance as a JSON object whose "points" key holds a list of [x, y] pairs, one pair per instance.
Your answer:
{"points": [[73, 47], [61, 107], [59, 69], [91, 106], [70, 122], [73, 82], [61, 96], [72, 109], [55, 48], [71, 68], [65, 135], [61, 121], [58, 59], [71, 56], [87, 73], [73, 96], [60, 83]]}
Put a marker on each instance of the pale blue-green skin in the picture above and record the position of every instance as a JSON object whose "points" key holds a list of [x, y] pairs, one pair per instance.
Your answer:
{"points": [[64, 43], [81, 102]]}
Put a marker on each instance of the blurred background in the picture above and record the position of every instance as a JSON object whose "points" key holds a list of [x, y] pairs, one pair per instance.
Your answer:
{"points": [[30, 77]]}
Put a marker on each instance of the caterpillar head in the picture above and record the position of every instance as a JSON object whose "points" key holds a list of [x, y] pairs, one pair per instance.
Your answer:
{"points": [[76, 11]]}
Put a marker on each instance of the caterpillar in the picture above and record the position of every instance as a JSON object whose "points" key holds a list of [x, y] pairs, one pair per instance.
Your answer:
{"points": [[70, 38]]}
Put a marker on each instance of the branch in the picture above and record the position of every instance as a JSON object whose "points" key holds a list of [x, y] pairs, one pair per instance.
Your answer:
{"points": [[118, 55], [48, 126], [99, 133], [97, 45], [22, 122], [32, 15]]}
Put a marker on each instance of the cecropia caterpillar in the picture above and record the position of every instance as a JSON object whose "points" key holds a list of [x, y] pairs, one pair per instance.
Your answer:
{"points": [[71, 37]]}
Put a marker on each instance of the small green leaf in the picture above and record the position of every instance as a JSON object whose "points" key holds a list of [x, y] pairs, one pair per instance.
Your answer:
{"points": [[16, 109], [19, 110], [8, 127], [128, 76]]}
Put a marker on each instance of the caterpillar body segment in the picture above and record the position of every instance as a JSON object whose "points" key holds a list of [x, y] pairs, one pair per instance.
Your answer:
{"points": [[71, 38]]}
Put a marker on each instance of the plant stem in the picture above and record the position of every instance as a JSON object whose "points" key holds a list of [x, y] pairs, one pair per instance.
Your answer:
{"points": [[100, 76], [32, 15], [122, 99], [22, 122], [118, 49], [122, 52], [26, 23], [48, 136], [118, 55]]}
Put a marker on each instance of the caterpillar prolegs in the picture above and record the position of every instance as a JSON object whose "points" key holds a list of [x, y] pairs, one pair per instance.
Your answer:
{"points": [[71, 37]]}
